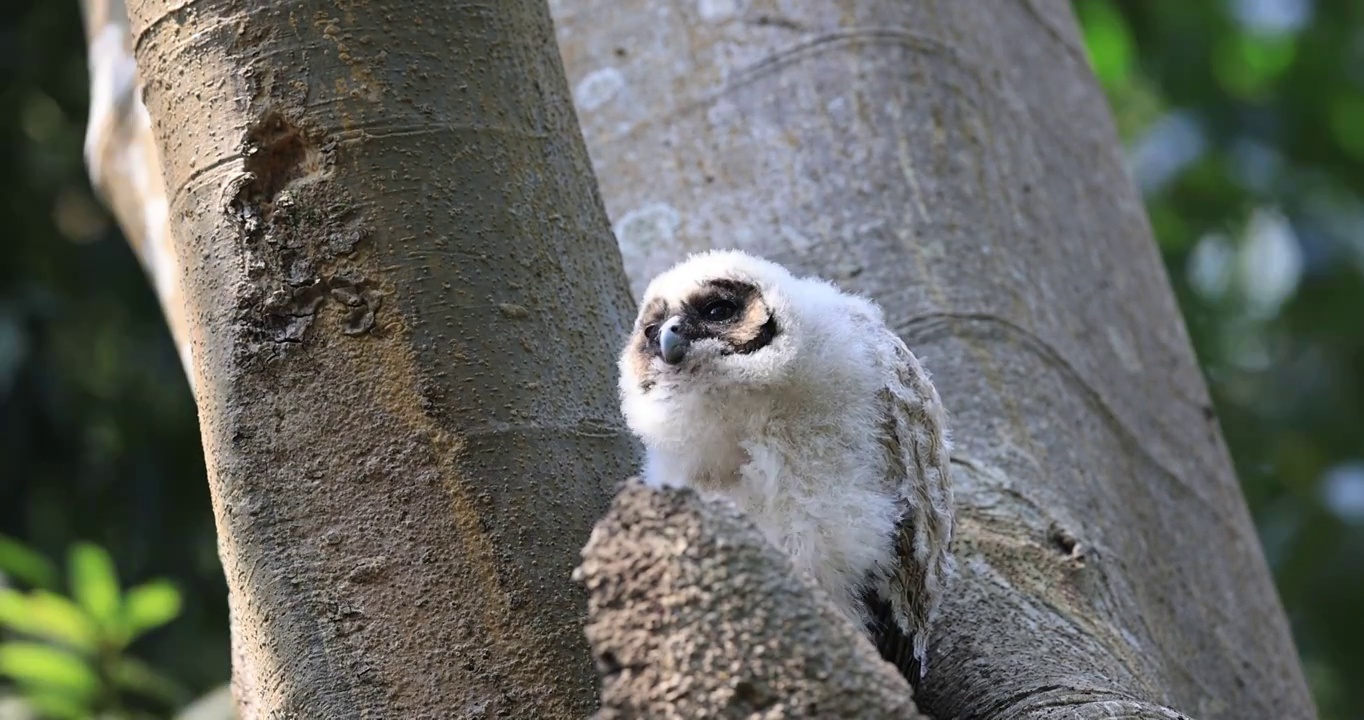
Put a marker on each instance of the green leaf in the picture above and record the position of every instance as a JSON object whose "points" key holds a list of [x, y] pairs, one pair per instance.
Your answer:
{"points": [[150, 605], [41, 666], [1107, 41], [50, 616], [1248, 64], [94, 583], [26, 565], [13, 609], [134, 675], [1347, 123], [58, 705]]}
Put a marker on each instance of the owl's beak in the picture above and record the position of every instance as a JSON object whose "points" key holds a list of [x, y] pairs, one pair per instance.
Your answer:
{"points": [[672, 344]]}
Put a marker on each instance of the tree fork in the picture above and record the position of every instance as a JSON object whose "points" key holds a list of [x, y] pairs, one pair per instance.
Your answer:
{"points": [[398, 276], [957, 161]]}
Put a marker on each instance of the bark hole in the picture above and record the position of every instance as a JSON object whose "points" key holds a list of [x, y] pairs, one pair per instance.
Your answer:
{"points": [[749, 696], [276, 153], [608, 663], [1066, 543]]}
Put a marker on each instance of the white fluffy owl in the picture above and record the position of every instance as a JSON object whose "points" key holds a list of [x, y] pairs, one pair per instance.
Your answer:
{"points": [[795, 401]]}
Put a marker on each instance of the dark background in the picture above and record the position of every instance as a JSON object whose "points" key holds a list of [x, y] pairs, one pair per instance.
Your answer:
{"points": [[1244, 122]]}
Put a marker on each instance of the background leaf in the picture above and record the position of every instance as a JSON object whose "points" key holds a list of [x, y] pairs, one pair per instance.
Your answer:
{"points": [[132, 674], [1107, 41], [149, 606], [47, 615], [26, 565], [94, 583], [36, 665], [57, 705]]}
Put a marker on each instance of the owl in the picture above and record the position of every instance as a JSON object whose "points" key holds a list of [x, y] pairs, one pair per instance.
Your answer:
{"points": [[795, 401]]}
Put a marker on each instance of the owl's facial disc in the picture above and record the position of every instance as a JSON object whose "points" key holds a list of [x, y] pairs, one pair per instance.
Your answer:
{"points": [[720, 318]]}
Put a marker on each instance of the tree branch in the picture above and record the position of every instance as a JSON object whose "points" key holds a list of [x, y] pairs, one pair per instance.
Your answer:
{"points": [[124, 164], [692, 613]]}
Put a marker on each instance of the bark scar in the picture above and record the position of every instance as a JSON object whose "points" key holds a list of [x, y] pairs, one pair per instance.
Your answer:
{"points": [[302, 236]]}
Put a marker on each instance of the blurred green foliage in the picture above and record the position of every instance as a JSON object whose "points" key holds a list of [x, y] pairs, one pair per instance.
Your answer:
{"points": [[99, 441], [1244, 123], [67, 655]]}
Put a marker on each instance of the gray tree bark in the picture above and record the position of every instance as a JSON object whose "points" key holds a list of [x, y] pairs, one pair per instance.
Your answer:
{"points": [[693, 614], [956, 161], [397, 275]]}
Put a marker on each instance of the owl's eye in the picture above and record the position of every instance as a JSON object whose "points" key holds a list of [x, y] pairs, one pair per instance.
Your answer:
{"points": [[719, 310], [651, 331]]}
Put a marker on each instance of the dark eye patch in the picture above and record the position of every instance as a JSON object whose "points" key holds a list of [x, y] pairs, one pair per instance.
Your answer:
{"points": [[735, 288], [719, 310], [731, 311], [721, 300], [650, 318]]}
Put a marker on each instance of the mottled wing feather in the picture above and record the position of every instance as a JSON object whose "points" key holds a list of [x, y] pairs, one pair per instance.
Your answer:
{"points": [[916, 438], [894, 646]]}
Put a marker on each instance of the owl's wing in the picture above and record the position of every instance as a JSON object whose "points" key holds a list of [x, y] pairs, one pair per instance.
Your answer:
{"points": [[917, 443]]}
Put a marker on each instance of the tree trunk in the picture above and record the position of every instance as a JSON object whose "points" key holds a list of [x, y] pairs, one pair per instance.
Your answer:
{"points": [[398, 278], [957, 162]]}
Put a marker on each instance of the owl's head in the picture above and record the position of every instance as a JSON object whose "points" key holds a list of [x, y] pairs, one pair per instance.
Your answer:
{"points": [[718, 319]]}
